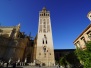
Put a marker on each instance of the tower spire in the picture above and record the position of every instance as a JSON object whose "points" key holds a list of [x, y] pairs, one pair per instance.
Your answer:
{"points": [[44, 9], [89, 16]]}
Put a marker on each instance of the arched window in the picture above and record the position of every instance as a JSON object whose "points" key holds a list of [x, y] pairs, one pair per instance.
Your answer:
{"points": [[44, 14], [46, 41], [43, 41]]}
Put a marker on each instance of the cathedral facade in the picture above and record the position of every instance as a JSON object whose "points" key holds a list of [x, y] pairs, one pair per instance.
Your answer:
{"points": [[20, 47]]}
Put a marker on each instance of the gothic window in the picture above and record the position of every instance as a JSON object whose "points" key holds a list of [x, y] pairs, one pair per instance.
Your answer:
{"points": [[44, 14], [46, 41], [43, 41]]}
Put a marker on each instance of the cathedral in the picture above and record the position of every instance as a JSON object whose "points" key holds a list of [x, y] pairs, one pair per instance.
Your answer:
{"points": [[21, 48]]}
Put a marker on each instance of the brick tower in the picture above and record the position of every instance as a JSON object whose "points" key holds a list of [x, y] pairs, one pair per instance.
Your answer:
{"points": [[44, 46]]}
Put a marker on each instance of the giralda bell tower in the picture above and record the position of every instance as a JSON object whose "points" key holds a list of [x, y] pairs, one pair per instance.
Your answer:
{"points": [[45, 49]]}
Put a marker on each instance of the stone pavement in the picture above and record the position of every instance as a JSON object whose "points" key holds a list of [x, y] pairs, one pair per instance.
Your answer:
{"points": [[32, 67], [38, 67]]}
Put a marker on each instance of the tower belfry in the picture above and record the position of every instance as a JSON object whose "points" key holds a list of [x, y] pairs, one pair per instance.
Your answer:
{"points": [[44, 46]]}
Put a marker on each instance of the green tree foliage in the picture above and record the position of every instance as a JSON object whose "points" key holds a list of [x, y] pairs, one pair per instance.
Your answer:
{"points": [[70, 59], [85, 55], [63, 61]]}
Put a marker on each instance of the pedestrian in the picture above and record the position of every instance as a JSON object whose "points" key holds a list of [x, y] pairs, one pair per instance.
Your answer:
{"points": [[14, 65], [59, 66], [7, 64]]}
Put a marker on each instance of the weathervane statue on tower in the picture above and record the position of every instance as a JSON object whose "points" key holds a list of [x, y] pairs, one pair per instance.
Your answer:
{"points": [[89, 16]]}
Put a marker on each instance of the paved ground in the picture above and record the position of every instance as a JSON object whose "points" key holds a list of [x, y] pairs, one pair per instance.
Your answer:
{"points": [[37, 67], [31, 67]]}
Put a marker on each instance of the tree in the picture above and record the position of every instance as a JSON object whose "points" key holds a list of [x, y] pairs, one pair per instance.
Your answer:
{"points": [[85, 55], [63, 61], [71, 60]]}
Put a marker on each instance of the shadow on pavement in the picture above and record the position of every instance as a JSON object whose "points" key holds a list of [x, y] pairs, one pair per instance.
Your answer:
{"points": [[12, 67]]}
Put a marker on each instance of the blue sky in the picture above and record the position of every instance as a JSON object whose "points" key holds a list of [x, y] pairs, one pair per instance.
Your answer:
{"points": [[68, 18]]}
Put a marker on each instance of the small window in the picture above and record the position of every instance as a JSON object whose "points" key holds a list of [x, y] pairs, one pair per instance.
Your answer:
{"points": [[83, 39], [89, 34], [44, 14], [44, 35], [46, 41], [43, 41]]}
